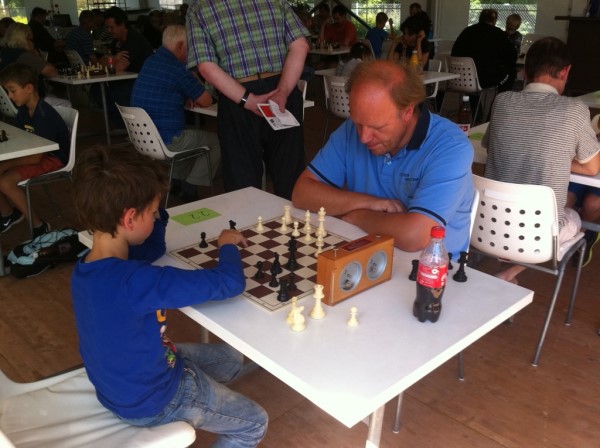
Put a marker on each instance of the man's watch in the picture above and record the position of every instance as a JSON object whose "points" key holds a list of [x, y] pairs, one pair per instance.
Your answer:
{"points": [[242, 102]]}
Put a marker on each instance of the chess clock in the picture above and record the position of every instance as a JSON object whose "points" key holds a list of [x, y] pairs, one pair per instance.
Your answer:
{"points": [[355, 266]]}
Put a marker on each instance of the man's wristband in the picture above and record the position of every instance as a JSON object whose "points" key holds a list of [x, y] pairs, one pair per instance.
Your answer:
{"points": [[242, 102]]}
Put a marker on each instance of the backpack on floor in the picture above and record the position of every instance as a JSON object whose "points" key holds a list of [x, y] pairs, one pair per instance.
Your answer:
{"points": [[35, 256]]}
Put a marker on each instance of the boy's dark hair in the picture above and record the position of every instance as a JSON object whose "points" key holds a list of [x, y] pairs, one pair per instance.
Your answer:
{"points": [[117, 14], [109, 181], [412, 25], [37, 11], [339, 9], [20, 74], [381, 17], [489, 16], [546, 56]]}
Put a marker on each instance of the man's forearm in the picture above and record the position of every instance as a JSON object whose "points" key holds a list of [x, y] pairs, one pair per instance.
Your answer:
{"points": [[293, 66]]}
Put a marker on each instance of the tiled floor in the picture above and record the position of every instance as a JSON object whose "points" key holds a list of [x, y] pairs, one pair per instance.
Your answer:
{"points": [[503, 401]]}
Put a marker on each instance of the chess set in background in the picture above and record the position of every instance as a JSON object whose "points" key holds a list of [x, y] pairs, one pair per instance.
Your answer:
{"points": [[83, 71]]}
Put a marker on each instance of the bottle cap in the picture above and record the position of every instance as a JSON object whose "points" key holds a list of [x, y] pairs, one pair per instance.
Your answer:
{"points": [[438, 232], [465, 98]]}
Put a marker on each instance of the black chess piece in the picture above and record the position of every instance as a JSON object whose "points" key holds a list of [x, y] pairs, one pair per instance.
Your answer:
{"points": [[273, 283], [282, 295], [203, 244], [460, 275], [450, 267], [276, 266], [415, 267], [259, 273], [3, 137], [291, 281], [232, 225], [292, 264]]}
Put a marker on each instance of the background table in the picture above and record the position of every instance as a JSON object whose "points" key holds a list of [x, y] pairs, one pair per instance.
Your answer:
{"points": [[21, 143], [73, 81], [348, 372]]}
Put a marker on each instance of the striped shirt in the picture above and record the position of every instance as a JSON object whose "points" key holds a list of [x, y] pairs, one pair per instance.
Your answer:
{"points": [[534, 135], [243, 37], [80, 40]]}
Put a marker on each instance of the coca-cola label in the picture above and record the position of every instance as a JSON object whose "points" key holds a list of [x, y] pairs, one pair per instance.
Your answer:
{"points": [[465, 127], [432, 276]]}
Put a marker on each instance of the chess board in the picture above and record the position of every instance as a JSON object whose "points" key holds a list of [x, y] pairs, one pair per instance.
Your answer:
{"points": [[263, 247]]}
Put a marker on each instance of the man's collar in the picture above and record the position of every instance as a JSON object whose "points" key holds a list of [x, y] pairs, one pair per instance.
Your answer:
{"points": [[421, 128], [540, 87]]}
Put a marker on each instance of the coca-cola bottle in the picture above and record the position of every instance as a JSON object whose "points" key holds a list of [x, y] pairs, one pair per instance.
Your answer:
{"points": [[110, 63], [431, 277], [464, 115]]}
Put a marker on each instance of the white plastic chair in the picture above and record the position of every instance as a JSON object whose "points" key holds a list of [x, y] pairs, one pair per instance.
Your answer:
{"points": [[459, 357], [7, 107], [337, 100], [63, 412], [518, 223], [146, 139], [74, 58], [302, 85], [434, 66], [71, 119], [467, 83]]}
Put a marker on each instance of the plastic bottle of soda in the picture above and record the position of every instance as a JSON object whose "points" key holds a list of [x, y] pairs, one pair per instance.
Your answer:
{"points": [[431, 277], [464, 115], [110, 62], [413, 63]]}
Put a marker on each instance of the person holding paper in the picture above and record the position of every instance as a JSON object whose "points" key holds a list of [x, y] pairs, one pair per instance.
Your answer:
{"points": [[225, 44]]}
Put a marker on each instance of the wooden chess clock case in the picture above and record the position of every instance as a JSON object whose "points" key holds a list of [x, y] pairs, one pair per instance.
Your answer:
{"points": [[355, 266]]}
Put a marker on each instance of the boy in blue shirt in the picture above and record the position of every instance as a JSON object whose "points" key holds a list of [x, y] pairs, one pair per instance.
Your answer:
{"points": [[38, 117], [120, 301], [378, 35]]}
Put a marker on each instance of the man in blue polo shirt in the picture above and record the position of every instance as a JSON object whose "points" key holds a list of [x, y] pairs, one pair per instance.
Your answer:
{"points": [[162, 89], [393, 168]]}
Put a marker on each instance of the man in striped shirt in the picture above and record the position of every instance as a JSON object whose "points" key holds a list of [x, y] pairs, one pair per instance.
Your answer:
{"points": [[252, 51], [539, 137]]}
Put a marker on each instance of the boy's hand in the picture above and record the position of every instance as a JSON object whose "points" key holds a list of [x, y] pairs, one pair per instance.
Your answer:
{"points": [[232, 237]]}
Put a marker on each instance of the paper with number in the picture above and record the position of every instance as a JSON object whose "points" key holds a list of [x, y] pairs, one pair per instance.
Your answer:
{"points": [[277, 120]]}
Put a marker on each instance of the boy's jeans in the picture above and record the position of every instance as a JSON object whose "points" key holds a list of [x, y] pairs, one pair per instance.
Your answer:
{"points": [[205, 403]]}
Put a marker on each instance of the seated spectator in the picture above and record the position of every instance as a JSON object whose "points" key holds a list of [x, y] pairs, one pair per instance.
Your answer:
{"points": [[378, 35], [162, 89], [153, 29], [537, 136], [338, 29], [5, 22], [38, 117], [43, 40], [513, 22], [80, 39], [494, 55], [19, 48], [358, 53], [322, 16], [413, 38]]}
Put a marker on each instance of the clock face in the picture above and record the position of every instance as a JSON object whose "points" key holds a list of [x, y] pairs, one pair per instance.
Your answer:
{"points": [[376, 265], [350, 276]]}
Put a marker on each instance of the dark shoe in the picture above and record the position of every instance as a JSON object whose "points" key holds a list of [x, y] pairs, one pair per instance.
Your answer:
{"points": [[9, 221], [591, 238], [41, 229]]}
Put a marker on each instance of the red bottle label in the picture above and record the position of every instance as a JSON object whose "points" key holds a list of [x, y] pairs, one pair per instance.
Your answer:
{"points": [[432, 276]]}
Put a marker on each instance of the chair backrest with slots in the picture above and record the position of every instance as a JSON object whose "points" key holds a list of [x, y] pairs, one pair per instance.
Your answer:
{"points": [[468, 81], [7, 107], [143, 133], [338, 100]]}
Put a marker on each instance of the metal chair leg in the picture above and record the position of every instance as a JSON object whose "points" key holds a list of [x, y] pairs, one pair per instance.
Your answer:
{"points": [[461, 366], [28, 196], [396, 427], [575, 283]]}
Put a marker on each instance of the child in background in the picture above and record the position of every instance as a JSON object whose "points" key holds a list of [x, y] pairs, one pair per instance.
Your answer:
{"points": [[378, 35], [120, 301], [38, 117], [359, 52], [413, 38]]}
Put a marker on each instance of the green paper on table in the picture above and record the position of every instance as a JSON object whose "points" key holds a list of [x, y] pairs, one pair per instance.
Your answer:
{"points": [[476, 136], [195, 216]]}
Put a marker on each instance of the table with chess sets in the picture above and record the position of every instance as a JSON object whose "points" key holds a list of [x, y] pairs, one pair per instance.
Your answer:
{"points": [[83, 71]]}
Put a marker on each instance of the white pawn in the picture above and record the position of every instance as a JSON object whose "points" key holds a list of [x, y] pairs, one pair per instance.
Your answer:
{"points": [[283, 227], [353, 321], [307, 238], [307, 226], [298, 320], [259, 225], [320, 243], [318, 312], [290, 317], [286, 214], [295, 232]]}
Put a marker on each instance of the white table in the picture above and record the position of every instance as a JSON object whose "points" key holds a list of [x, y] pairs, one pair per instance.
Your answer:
{"points": [[428, 77], [213, 109], [21, 143], [591, 99], [73, 81], [333, 52], [350, 373], [480, 156]]}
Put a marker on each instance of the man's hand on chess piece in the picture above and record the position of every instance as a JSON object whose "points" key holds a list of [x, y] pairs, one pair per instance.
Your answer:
{"points": [[232, 237]]}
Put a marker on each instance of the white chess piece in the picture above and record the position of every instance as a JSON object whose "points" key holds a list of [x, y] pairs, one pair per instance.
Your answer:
{"points": [[259, 225], [307, 238], [295, 233], [307, 226], [283, 227], [290, 317], [318, 312], [321, 220], [286, 214], [353, 321], [298, 320], [320, 243]]}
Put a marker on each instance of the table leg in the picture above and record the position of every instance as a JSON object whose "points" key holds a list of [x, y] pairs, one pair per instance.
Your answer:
{"points": [[106, 124], [396, 427], [375, 425]]}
